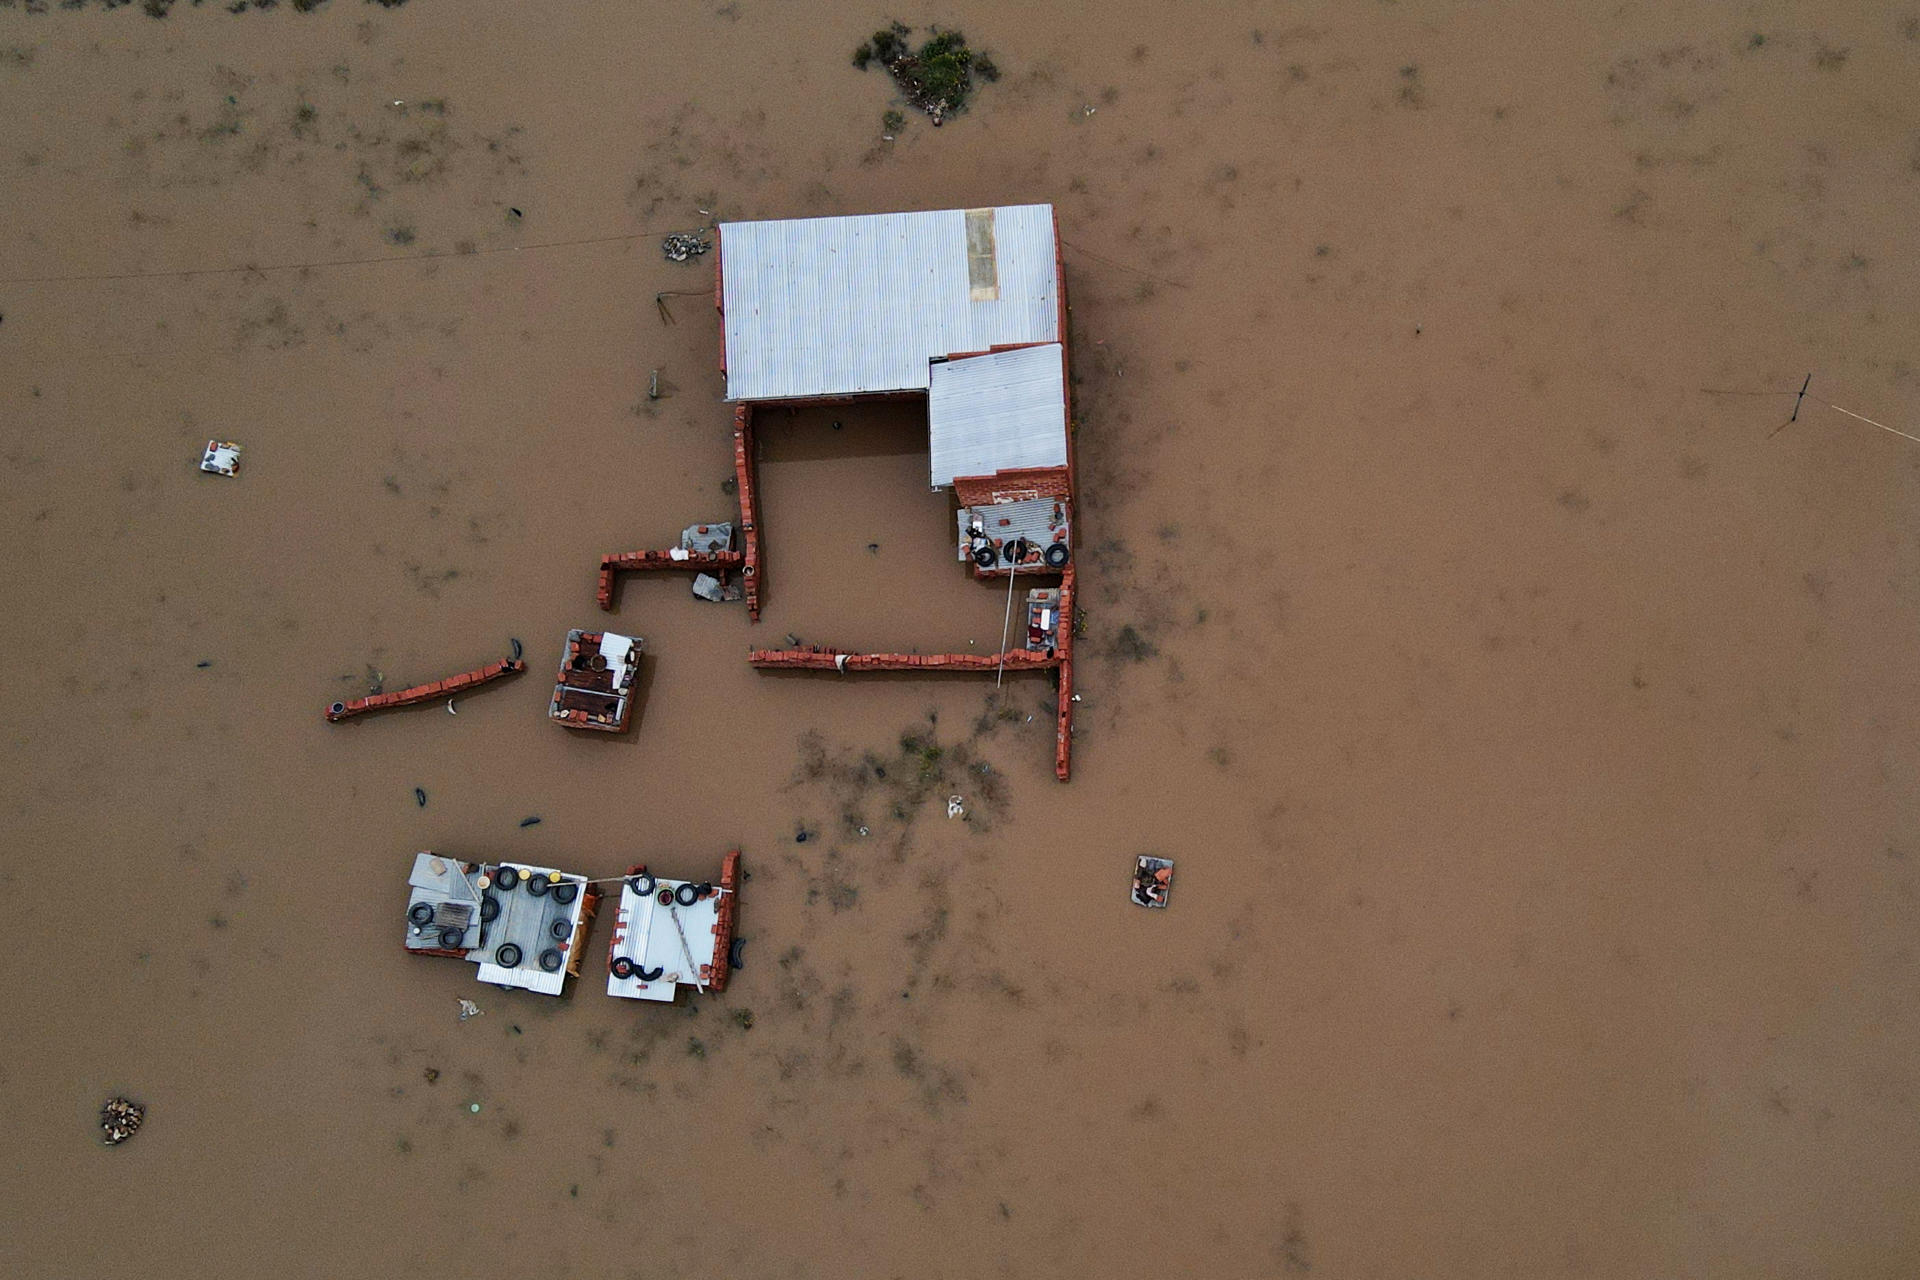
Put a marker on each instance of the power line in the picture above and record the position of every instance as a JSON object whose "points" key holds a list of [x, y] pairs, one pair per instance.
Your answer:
{"points": [[428, 256]]}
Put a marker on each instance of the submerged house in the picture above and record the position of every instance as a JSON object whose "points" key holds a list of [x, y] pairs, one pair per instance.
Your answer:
{"points": [[966, 307]]}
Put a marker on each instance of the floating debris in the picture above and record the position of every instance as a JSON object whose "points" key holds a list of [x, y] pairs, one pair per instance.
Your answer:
{"points": [[733, 956], [517, 651], [682, 245], [120, 1119], [529, 822], [468, 1009], [956, 807], [420, 796], [204, 663], [1152, 880], [222, 458]]}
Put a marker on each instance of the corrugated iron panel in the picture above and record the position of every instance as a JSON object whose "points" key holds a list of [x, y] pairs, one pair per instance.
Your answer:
{"points": [[997, 412], [859, 305]]}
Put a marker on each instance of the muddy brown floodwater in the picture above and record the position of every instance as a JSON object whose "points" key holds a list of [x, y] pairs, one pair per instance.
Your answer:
{"points": [[1535, 731]]}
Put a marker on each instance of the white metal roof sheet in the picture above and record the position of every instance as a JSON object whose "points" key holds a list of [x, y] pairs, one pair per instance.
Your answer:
{"points": [[997, 412], [644, 932], [859, 305], [522, 921]]}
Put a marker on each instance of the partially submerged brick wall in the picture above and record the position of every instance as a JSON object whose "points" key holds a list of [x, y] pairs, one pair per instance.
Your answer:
{"points": [[426, 692]]}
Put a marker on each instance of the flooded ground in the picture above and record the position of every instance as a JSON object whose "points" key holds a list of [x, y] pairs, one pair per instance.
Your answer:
{"points": [[1534, 730]]}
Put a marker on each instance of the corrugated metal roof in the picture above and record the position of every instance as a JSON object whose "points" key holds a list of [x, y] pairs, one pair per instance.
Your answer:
{"points": [[443, 882], [647, 937], [859, 305], [995, 412], [527, 921]]}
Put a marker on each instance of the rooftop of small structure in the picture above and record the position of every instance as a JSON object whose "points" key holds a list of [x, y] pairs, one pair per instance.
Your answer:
{"points": [[1000, 411]]}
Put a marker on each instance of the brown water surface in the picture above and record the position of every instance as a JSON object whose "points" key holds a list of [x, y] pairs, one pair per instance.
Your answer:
{"points": [[1534, 731]]}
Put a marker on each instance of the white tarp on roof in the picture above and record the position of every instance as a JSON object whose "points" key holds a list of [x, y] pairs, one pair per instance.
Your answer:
{"points": [[859, 305], [997, 412]]}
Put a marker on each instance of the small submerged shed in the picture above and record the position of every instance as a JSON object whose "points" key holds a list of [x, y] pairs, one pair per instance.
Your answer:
{"points": [[672, 933], [444, 906], [595, 688], [534, 935], [522, 926]]}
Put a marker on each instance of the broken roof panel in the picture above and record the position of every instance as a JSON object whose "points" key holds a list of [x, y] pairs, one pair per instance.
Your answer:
{"points": [[997, 412], [859, 305]]}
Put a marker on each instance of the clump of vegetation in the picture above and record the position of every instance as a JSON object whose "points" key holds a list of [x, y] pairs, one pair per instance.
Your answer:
{"points": [[938, 77], [892, 122]]}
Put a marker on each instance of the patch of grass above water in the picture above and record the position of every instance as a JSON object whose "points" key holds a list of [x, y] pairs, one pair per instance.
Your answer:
{"points": [[938, 77]]}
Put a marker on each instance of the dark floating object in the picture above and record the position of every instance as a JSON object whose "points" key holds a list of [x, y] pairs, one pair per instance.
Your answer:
{"points": [[530, 822], [733, 956], [516, 647], [800, 836], [420, 796], [204, 663], [515, 212], [120, 1119]]}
